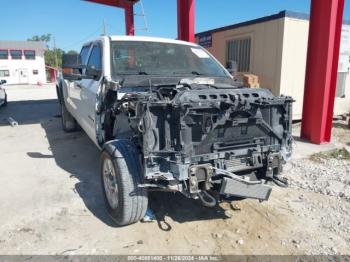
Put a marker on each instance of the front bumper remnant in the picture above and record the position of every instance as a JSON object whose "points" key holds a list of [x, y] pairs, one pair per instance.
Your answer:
{"points": [[233, 187]]}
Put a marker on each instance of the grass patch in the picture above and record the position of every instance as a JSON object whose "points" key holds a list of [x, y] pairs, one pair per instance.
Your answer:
{"points": [[341, 154]]}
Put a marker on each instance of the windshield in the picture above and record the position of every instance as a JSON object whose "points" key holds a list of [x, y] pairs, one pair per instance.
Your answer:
{"points": [[153, 58]]}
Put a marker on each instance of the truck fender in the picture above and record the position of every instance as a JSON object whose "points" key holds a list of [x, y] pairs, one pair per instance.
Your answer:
{"points": [[111, 146]]}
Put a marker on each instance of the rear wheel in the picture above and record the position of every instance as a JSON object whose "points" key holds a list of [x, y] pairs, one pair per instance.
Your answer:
{"points": [[69, 124], [121, 174]]}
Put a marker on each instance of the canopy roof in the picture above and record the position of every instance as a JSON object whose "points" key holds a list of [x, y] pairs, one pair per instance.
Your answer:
{"points": [[115, 3]]}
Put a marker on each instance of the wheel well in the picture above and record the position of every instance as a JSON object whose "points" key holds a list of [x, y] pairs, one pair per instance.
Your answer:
{"points": [[109, 117], [108, 125], [59, 93]]}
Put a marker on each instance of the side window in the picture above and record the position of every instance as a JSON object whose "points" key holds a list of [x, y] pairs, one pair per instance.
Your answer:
{"points": [[16, 54], [4, 54], [239, 50], [95, 59], [4, 73], [29, 54], [84, 54]]}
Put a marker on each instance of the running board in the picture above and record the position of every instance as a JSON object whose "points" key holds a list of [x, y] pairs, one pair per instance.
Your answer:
{"points": [[240, 189]]}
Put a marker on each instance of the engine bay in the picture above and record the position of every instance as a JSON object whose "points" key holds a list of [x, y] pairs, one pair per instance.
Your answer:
{"points": [[201, 138]]}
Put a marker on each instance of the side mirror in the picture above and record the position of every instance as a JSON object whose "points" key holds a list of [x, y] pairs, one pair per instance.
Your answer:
{"points": [[92, 72], [232, 67], [2, 82], [71, 67]]}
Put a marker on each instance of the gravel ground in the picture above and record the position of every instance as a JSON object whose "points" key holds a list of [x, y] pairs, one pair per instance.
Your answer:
{"points": [[329, 212], [323, 181], [328, 177], [51, 199]]}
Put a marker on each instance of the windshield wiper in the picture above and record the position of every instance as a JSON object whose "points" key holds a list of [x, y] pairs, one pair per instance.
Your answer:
{"points": [[196, 73], [188, 73], [143, 73]]}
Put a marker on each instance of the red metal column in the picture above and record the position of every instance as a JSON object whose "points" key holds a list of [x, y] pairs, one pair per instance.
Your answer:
{"points": [[129, 19], [185, 20], [321, 69], [53, 75]]}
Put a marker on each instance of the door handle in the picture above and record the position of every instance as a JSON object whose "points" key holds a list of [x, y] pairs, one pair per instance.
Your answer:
{"points": [[80, 86]]}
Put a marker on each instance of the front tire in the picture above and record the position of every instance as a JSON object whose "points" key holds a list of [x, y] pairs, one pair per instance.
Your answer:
{"points": [[121, 173]]}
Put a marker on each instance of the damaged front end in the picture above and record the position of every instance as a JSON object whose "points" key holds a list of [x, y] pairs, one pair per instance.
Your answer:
{"points": [[206, 142]]}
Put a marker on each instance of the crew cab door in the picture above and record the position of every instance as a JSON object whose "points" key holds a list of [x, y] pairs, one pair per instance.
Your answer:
{"points": [[74, 99], [89, 90]]}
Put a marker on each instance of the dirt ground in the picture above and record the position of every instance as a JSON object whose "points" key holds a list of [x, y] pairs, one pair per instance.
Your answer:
{"points": [[51, 202]]}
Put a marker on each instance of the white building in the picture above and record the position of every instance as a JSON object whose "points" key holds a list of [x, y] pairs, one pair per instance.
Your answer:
{"points": [[22, 62]]}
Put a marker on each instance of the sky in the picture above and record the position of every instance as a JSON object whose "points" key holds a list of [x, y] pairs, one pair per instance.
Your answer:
{"points": [[73, 22]]}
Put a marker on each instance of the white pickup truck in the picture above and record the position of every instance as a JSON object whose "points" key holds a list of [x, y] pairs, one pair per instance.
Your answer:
{"points": [[168, 116]]}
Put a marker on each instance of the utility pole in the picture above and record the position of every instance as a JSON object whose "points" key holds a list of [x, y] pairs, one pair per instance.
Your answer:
{"points": [[55, 51], [143, 15], [104, 27]]}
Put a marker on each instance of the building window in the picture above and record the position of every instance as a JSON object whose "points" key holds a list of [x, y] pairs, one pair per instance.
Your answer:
{"points": [[16, 54], [29, 54], [4, 73], [4, 54], [35, 72], [238, 50]]}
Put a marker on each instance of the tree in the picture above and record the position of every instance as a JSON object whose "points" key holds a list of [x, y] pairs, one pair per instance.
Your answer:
{"points": [[43, 38], [72, 52], [51, 55]]}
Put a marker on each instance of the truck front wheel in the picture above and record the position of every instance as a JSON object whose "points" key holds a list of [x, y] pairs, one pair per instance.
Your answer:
{"points": [[121, 174]]}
